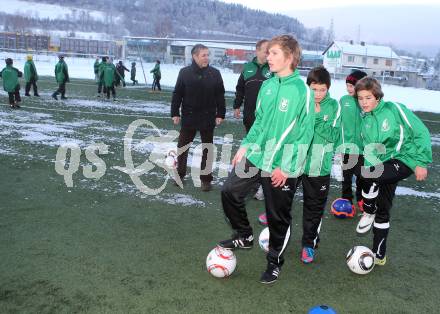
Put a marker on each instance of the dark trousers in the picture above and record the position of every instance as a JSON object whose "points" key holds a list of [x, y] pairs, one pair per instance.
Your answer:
{"points": [[111, 88], [378, 194], [61, 90], [234, 193], [186, 137], [156, 83], [278, 201], [101, 87], [134, 81], [348, 171], [315, 193], [14, 96], [27, 88]]}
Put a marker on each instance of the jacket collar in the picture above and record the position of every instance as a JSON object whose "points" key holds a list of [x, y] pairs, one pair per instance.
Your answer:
{"points": [[255, 61], [287, 79], [196, 68]]}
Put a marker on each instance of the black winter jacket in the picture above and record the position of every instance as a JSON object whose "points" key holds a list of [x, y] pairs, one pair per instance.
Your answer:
{"points": [[201, 94]]}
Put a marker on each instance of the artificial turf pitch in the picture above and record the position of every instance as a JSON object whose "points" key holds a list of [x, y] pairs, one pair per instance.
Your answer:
{"points": [[102, 246]]}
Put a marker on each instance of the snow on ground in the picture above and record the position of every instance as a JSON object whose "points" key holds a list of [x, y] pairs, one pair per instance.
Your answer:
{"points": [[413, 98], [46, 11]]}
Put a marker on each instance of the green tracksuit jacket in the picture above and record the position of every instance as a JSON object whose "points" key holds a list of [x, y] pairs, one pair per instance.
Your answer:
{"points": [[30, 71], [61, 72], [402, 133], [283, 127], [10, 76], [327, 132], [156, 71], [350, 124], [108, 74]]}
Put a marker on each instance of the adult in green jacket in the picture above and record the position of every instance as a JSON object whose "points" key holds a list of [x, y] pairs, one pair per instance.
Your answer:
{"points": [[350, 139], [156, 76], [10, 76], [396, 145], [249, 83], [30, 76], [62, 77], [273, 153], [108, 76]]}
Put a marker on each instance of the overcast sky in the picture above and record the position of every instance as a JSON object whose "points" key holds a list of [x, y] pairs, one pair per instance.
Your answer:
{"points": [[411, 25]]}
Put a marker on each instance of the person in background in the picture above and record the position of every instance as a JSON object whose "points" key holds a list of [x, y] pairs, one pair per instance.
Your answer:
{"points": [[120, 68], [10, 76], [133, 73], [156, 76], [253, 75], [62, 77], [198, 104], [30, 76]]}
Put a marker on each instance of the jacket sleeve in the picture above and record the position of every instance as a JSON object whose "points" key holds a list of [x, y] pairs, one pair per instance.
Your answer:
{"points": [[300, 138], [178, 94], [220, 98], [422, 139], [239, 92], [330, 130], [257, 126], [19, 73]]}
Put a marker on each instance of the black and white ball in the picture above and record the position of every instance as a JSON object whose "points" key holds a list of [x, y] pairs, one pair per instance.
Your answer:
{"points": [[360, 260]]}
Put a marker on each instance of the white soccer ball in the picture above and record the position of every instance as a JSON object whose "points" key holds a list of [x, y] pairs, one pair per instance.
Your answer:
{"points": [[360, 260], [263, 239], [221, 262], [171, 159]]}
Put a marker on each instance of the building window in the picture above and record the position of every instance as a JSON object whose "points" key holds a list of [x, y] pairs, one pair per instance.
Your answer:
{"points": [[376, 61], [388, 62], [351, 59]]}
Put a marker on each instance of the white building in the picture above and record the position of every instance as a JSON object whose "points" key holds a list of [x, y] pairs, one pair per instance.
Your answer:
{"points": [[343, 57]]}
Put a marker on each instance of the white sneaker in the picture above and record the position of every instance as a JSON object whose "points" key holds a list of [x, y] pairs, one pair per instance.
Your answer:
{"points": [[365, 223], [259, 195]]}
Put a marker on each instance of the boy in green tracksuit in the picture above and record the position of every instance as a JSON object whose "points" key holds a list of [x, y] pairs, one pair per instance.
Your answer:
{"points": [[397, 144], [316, 177], [10, 76], [156, 76], [62, 77], [352, 158], [108, 77], [274, 153], [30, 76]]}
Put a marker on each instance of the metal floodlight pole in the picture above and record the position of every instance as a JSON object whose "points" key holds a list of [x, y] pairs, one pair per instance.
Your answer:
{"points": [[142, 65]]}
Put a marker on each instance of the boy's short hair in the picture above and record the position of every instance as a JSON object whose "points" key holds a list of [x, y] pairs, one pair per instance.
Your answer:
{"points": [[260, 43], [319, 75], [369, 84], [8, 61], [288, 45], [196, 49]]}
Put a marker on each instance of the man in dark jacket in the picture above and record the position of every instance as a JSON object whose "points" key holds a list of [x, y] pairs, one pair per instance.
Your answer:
{"points": [[254, 74], [200, 92], [120, 68]]}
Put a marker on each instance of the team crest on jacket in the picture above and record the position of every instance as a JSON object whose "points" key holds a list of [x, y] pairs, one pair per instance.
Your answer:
{"points": [[267, 74], [385, 125], [283, 104], [325, 117]]}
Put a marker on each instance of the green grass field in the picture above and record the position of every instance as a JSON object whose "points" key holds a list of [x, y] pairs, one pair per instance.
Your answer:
{"points": [[102, 246]]}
